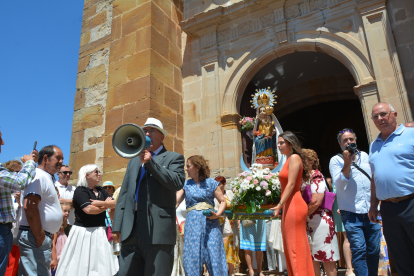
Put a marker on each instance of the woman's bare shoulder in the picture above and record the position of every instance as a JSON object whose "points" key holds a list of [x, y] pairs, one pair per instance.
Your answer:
{"points": [[295, 158]]}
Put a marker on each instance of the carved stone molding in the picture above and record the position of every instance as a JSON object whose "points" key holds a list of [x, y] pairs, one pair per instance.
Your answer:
{"points": [[370, 6], [292, 12], [368, 96], [209, 56], [282, 37], [230, 121], [224, 35], [267, 20], [245, 28], [366, 90], [212, 19], [317, 4], [208, 40], [279, 15], [305, 7]]}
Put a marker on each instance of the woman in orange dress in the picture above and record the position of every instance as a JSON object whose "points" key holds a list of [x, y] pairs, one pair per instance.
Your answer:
{"points": [[295, 209]]}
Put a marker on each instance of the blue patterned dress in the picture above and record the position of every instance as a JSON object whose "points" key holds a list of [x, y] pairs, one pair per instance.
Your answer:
{"points": [[203, 241]]}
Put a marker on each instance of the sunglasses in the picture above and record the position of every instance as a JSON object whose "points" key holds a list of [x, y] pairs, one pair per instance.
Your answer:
{"points": [[67, 172], [346, 130]]}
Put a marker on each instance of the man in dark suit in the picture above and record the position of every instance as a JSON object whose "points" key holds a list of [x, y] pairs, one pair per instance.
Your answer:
{"points": [[145, 213]]}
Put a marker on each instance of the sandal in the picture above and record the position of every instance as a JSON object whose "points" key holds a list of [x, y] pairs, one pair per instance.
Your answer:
{"points": [[261, 273]]}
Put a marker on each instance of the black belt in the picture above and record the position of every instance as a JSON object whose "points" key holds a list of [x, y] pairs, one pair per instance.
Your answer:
{"points": [[27, 228]]}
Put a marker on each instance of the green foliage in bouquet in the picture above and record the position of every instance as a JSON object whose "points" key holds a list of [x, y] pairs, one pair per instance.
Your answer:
{"points": [[252, 189], [247, 123]]}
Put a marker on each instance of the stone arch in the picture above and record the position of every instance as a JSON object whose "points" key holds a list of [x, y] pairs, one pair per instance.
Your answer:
{"points": [[310, 41]]}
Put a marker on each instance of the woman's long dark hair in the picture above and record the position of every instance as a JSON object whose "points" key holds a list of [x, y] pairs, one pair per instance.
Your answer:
{"points": [[295, 145]]}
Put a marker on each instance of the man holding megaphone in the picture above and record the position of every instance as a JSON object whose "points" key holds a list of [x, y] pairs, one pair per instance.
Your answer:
{"points": [[144, 219]]}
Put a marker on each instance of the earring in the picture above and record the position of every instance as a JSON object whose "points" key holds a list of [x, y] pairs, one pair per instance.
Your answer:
{"points": [[291, 150]]}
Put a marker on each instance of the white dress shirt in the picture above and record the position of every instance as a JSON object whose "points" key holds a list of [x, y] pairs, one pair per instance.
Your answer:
{"points": [[66, 192]]}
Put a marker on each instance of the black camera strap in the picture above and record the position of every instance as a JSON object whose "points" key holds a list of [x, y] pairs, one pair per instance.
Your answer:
{"points": [[356, 166]]}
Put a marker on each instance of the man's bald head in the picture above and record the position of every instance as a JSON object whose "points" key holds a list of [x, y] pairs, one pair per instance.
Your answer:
{"points": [[383, 103], [410, 124]]}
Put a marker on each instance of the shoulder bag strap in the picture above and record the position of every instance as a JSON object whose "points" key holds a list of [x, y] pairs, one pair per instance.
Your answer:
{"points": [[361, 170], [357, 167]]}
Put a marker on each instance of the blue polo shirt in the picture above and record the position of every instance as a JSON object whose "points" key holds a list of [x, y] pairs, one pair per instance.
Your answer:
{"points": [[392, 163]]}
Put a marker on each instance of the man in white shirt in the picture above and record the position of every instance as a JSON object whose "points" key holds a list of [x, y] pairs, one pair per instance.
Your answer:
{"points": [[66, 193], [41, 215]]}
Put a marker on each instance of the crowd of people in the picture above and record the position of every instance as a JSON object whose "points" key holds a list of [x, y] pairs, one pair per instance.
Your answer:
{"points": [[48, 227]]}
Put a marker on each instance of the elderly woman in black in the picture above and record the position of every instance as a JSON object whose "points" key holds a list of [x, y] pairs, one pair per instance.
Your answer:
{"points": [[87, 250]]}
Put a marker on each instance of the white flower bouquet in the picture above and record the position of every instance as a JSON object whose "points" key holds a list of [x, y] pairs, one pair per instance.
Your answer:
{"points": [[254, 188]]}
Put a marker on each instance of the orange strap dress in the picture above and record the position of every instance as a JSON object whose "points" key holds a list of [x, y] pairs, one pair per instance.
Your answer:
{"points": [[295, 238]]}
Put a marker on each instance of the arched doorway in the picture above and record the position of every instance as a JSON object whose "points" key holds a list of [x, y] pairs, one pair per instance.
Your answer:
{"points": [[316, 99]]}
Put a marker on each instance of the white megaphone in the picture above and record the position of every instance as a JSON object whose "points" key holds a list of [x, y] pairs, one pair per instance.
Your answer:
{"points": [[129, 140]]}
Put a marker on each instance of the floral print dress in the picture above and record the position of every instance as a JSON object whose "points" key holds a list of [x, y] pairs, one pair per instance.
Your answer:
{"points": [[203, 241], [322, 227]]}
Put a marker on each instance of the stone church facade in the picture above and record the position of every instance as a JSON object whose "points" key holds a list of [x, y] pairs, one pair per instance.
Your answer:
{"points": [[193, 64]]}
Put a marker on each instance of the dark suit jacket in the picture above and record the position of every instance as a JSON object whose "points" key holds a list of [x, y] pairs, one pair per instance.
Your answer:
{"points": [[156, 198]]}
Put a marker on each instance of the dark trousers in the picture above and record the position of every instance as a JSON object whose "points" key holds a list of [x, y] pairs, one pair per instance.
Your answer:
{"points": [[364, 238], [398, 223], [6, 243], [142, 259]]}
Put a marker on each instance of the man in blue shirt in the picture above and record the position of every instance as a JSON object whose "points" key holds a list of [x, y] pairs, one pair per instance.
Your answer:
{"points": [[351, 175], [392, 164]]}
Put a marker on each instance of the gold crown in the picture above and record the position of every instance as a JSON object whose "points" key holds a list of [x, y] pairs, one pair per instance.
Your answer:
{"points": [[263, 97], [269, 110]]}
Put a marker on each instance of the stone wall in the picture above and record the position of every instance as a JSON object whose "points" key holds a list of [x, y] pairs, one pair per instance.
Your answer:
{"points": [[230, 41], [144, 74], [129, 69], [87, 144], [401, 14]]}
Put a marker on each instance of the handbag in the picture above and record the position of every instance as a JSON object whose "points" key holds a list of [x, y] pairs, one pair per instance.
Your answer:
{"points": [[109, 233], [327, 201], [248, 222], [227, 231]]}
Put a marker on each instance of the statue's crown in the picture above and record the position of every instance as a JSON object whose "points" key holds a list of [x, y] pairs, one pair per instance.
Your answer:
{"points": [[264, 97]]}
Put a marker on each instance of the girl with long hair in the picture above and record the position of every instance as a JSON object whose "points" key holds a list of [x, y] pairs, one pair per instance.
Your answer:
{"points": [[295, 209]]}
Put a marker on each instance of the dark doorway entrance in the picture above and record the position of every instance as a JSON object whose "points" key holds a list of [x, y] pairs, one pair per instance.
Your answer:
{"points": [[317, 127]]}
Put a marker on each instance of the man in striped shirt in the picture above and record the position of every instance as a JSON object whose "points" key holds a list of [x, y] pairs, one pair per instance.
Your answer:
{"points": [[9, 183]]}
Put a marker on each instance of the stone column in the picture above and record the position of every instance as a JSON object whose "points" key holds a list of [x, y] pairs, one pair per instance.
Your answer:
{"points": [[144, 74], [368, 95], [384, 56], [232, 147], [88, 127]]}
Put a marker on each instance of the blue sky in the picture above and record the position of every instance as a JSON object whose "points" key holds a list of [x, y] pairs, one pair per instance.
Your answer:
{"points": [[39, 48]]}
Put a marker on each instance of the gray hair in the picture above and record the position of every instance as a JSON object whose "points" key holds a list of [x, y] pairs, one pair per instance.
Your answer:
{"points": [[341, 132], [65, 166], [389, 105], [87, 169]]}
